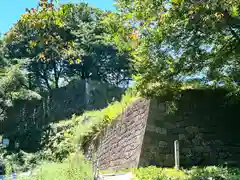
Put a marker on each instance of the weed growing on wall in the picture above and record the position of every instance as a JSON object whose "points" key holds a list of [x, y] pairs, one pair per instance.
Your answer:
{"points": [[92, 123]]}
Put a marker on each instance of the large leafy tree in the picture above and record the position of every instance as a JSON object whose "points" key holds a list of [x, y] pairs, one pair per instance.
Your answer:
{"points": [[59, 44], [13, 84], [179, 39], [40, 39], [101, 59]]}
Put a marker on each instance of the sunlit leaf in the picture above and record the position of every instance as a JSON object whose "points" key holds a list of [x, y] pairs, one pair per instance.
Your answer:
{"points": [[235, 11], [78, 60], [177, 1], [171, 70], [32, 44]]}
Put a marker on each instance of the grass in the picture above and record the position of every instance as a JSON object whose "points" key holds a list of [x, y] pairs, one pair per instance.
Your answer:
{"points": [[96, 121]]}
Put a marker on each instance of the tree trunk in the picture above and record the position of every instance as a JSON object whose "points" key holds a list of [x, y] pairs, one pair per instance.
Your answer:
{"points": [[56, 75]]}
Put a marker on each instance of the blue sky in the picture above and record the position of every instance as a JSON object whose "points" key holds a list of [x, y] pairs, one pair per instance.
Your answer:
{"points": [[11, 10]]}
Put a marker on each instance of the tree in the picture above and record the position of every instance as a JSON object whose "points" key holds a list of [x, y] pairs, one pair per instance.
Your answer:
{"points": [[59, 44], [40, 39], [101, 60], [183, 38]]}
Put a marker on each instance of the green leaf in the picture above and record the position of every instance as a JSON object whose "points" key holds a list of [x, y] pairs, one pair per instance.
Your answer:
{"points": [[78, 60], [129, 16], [177, 1], [169, 62], [171, 70], [234, 11], [59, 22]]}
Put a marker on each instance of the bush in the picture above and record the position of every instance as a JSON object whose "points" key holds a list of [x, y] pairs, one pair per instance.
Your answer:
{"points": [[74, 168], [149, 173], [153, 173], [213, 172], [21, 161], [196, 173]]}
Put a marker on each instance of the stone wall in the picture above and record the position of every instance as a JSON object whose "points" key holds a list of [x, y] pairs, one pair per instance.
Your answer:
{"points": [[206, 123], [26, 119], [157, 145], [121, 146]]}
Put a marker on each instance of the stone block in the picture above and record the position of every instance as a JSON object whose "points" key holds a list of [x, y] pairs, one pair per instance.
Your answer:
{"points": [[161, 130], [155, 129], [181, 137], [165, 150], [169, 125], [207, 149], [162, 144], [192, 129], [180, 124], [196, 141], [169, 160], [201, 149], [162, 107], [217, 142], [185, 150]]}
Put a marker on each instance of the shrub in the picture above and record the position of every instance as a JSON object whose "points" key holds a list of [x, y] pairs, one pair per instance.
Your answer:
{"points": [[149, 173], [213, 172], [196, 173], [57, 142], [74, 168], [21, 161], [153, 173]]}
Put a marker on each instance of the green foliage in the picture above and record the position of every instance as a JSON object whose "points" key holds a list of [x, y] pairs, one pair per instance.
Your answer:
{"points": [[99, 56], [74, 168], [93, 123], [150, 173], [13, 86], [63, 138], [214, 173], [20, 161], [211, 172], [47, 48], [40, 41], [184, 39], [66, 43], [57, 141]]}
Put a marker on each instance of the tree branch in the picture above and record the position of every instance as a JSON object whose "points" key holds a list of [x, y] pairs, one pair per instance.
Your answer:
{"points": [[44, 77]]}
